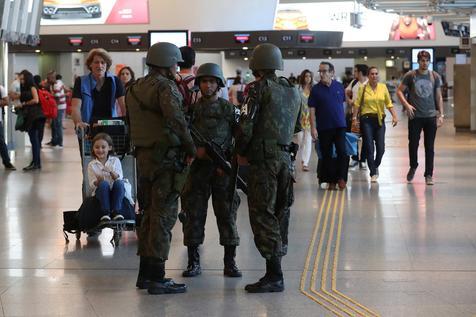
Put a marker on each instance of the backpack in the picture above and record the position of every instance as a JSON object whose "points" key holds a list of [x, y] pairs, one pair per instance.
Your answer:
{"points": [[187, 93], [48, 103]]}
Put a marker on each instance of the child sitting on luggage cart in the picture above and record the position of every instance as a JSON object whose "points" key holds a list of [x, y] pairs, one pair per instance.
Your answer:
{"points": [[106, 180]]}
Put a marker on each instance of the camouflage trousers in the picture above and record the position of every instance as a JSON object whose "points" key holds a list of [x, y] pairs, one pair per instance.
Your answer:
{"points": [[159, 198], [270, 196], [203, 182]]}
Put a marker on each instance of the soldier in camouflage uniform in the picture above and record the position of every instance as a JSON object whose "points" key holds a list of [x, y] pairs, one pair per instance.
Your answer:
{"points": [[215, 119], [269, 119], [164, 149]]}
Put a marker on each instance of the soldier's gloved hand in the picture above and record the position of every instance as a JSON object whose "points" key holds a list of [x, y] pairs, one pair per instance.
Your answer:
{"points": [[242, 160], [201, 153]]}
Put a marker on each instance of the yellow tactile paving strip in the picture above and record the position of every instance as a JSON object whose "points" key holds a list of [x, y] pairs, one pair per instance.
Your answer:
{"points": [[327, 234]]}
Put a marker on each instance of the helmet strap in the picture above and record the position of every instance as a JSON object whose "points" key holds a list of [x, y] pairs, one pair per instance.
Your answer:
{"points": [[213, 96]]}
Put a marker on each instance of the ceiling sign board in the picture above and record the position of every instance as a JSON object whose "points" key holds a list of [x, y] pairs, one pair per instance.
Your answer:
{"points": [[283, 39], [86, 42], [72, 12], [354, 20]]}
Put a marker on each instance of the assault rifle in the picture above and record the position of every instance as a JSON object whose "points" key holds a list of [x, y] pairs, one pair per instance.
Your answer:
{"points": [[214, 152]]}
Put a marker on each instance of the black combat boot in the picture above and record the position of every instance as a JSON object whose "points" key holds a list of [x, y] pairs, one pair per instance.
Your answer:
{"points": [[143, 278], [193, 268], [272, 281], [230, 269], [158, 284]]}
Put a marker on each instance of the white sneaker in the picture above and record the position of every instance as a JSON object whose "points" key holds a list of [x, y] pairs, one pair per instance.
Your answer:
{"points": [[118, 217], [105, 218], [429, 180], [363, 165], [374, 178]]}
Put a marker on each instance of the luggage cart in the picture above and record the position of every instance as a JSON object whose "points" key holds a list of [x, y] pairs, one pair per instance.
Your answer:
{"points": [[121, 149]]}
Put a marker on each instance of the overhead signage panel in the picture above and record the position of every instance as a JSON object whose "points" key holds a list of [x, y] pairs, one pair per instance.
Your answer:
{"points": [[283, 39], [354, 20], [73, 12], [86, 42]]}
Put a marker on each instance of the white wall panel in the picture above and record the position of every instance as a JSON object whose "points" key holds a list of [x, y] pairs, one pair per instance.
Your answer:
{"points": [[23, 61]]}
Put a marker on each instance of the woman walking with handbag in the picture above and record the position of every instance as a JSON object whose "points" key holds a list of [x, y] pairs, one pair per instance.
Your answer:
{"points": [[34, 119], [372, 99]]}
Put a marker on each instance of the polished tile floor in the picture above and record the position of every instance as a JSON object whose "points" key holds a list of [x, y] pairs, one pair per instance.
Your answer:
{"points": [[395, 249]]}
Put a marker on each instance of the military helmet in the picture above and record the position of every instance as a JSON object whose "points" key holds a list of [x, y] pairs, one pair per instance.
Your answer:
{"points": [[163, 54], [210, 70], [266, 56]]}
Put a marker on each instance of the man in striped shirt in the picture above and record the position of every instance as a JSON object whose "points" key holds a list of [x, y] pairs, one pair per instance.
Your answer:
{"points": [[56, 87]]}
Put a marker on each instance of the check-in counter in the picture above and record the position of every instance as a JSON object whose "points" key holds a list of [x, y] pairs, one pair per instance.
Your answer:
{"points": [[462, 96]]}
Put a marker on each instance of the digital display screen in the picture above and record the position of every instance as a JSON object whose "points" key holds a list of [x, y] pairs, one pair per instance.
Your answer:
{"points": [[306, 38], [179, 38], [134, 40], [76, 40], [339, 16], [242, 38], [87, 12]]}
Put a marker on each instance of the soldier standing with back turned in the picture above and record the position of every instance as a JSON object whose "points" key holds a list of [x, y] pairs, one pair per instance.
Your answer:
{"points": [[164, 149], [214, 119], [270, 117]]}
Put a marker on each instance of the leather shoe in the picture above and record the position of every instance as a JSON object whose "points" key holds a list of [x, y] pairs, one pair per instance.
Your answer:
{"points": [[266, 285], [166, 286], [31, 167]]}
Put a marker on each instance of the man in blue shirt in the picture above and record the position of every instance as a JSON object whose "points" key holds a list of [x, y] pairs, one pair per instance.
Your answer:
{"points": [[329, 126]]}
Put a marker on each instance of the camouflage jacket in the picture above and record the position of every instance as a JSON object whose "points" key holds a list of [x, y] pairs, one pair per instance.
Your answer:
{"points": [[270, 117], [156, 115], [216, 121]]}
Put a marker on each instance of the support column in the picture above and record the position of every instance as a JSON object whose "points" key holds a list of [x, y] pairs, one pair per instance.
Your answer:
{"points": [[473, 73]]}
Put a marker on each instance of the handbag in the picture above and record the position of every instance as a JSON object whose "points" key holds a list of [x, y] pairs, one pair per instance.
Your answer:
{"points": [[20, 123], [355, 126]]}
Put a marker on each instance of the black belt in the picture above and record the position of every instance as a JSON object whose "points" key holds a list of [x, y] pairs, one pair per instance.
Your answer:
{"points": [[369, 115]]}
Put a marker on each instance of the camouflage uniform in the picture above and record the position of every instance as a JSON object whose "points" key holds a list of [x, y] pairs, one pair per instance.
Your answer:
{"points": [[265, 139], [159, 132], [215, 121]]}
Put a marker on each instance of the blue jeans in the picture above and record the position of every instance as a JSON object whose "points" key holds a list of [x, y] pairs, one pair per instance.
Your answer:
{"points": [[373, 137], [3, 146], [110, 199], [35, 133], [57, 128]]}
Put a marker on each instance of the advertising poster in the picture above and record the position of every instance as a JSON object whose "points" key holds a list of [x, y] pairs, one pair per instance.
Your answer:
{"points": [[70, 12], [357, 22]]}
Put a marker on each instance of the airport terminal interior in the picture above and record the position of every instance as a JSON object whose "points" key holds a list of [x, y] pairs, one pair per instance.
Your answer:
{"points": [[384, 248]]}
